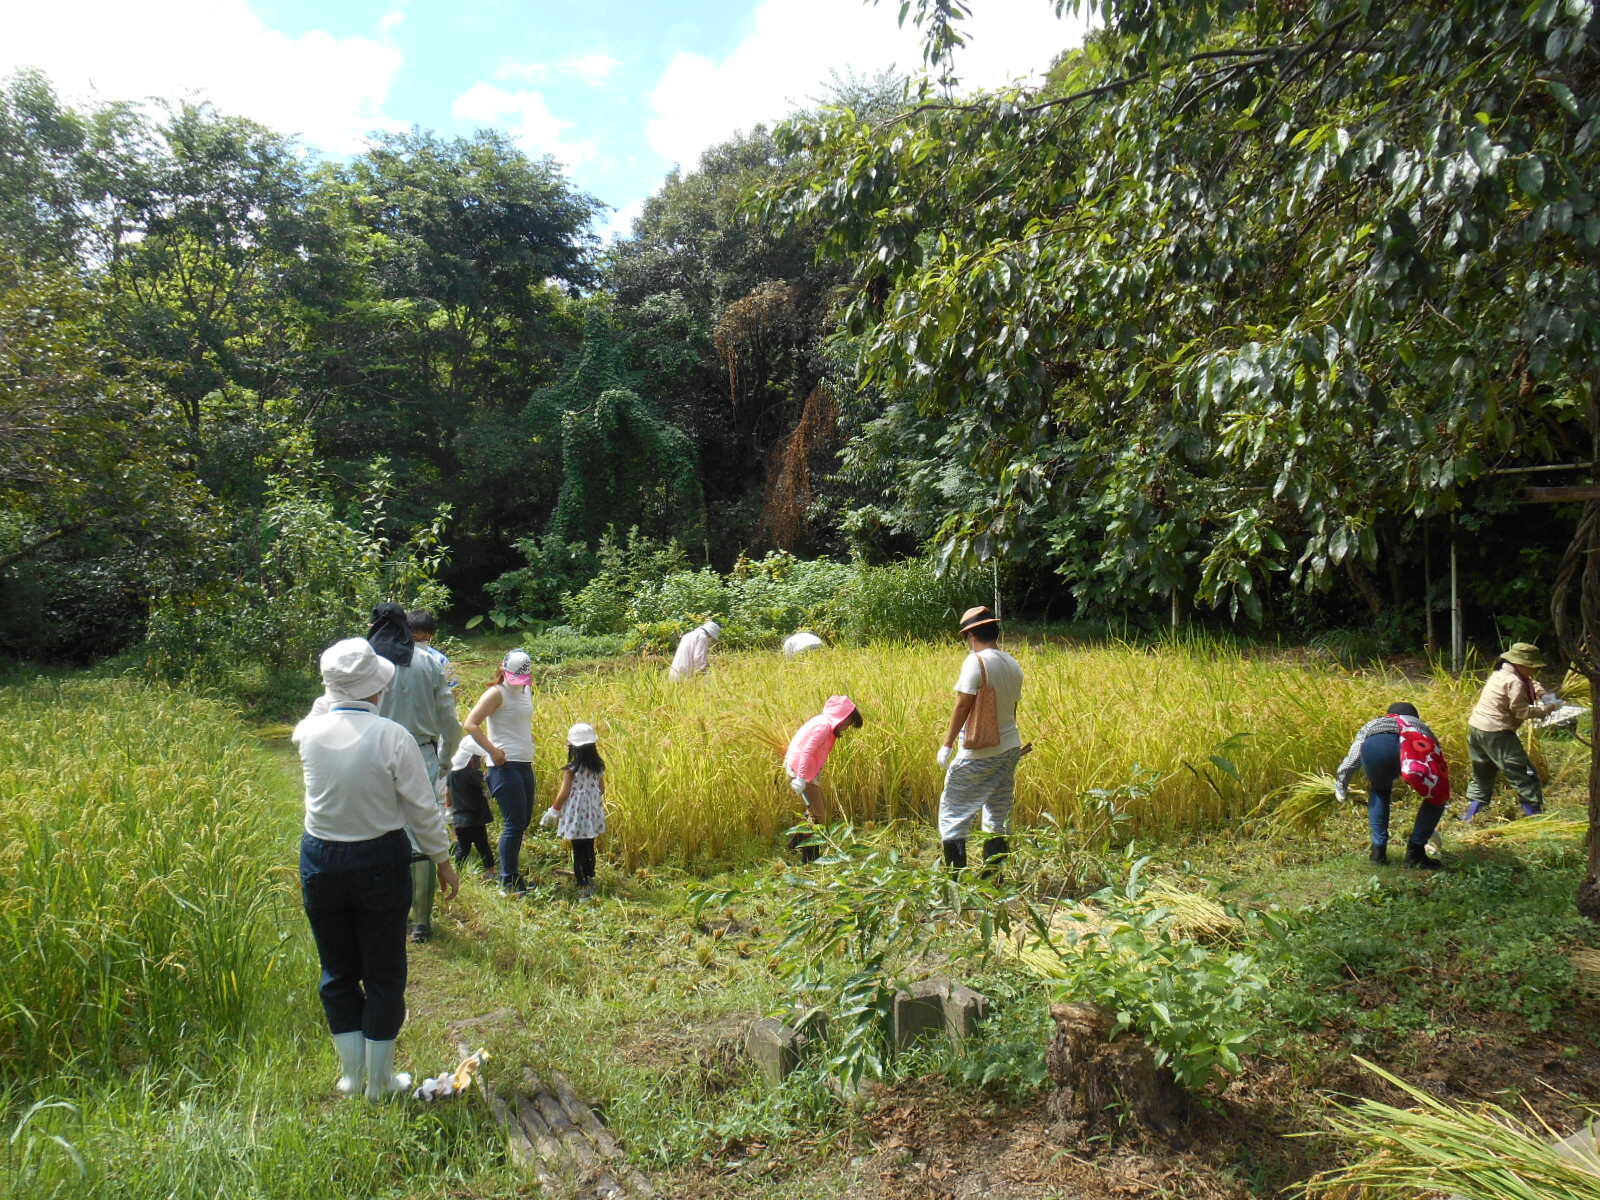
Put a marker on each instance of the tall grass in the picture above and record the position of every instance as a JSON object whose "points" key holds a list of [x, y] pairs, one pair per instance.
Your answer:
{"points": [[160, 1037], [139, 919], [695, 769]]}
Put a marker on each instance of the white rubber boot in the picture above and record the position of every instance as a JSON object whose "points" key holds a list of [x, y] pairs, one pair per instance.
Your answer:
{"points": [[352, 1048], [383, 1080]]}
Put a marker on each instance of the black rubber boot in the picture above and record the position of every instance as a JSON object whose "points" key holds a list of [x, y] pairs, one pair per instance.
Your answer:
{"points": [[1417, 856], [810, 852], [995, 852], [1380, 854], [955, 853]]}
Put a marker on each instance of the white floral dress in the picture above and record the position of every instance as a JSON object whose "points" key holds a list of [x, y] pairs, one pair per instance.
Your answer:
{"points": [[584, 813]]}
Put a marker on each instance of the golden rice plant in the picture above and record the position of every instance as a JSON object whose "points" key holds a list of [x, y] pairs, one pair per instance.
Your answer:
{"points": [[695, 768], [1301, 805], [146, 879]]}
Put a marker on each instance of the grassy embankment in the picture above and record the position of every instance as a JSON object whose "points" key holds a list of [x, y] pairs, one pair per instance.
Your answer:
{"points": [[166, 981]]}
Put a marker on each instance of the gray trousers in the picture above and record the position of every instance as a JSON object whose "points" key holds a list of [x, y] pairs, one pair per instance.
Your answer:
{"points": [[975, 785], [1501, 751]]}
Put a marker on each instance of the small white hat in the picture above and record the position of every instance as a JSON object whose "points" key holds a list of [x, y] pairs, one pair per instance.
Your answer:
{"points": [[353, 670], [582, 734], [713, 629]]}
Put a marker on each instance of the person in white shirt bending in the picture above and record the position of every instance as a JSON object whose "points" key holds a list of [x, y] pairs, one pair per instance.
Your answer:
{"points": [[365, 784], [980, 774], [694, 652]]}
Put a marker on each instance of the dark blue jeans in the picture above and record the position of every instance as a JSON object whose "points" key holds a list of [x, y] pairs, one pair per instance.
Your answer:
{"points": [[356, 896], [1380, 759], [512, 787]]}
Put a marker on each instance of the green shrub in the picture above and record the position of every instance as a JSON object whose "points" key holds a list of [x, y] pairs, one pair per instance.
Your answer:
{"points": [[1197, 1005], [312, 579], [532, 593]]}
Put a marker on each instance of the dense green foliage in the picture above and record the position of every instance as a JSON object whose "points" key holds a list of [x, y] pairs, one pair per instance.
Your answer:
{"points": [[1248, 295], [1248, 310]]}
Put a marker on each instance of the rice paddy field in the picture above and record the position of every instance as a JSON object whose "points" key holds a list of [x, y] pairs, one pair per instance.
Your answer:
{"points": [[160, 1035], [1206, 730]]}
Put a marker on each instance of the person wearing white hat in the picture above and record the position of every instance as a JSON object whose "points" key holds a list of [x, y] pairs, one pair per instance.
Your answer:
{"points": [[800, 643], [365, 785], [580, 802], [693, 655], [502, 723]]}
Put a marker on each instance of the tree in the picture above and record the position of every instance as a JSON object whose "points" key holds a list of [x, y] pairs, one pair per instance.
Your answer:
{"points": [[88, 479], [1253, 279]]}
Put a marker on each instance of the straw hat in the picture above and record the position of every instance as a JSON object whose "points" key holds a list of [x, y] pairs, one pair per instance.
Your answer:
{"points": [[976, 618], [1524, 654]]}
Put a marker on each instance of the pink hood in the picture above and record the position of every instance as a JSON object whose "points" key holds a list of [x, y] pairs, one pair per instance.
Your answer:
{"points": [[813, 743]]}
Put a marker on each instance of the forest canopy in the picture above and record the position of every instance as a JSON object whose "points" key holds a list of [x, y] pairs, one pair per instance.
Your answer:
{"points": [[1250, 310]]}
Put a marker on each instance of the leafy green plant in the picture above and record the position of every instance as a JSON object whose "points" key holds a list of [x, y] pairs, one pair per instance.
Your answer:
{"points": [[857, 925], [1194, 1004]]}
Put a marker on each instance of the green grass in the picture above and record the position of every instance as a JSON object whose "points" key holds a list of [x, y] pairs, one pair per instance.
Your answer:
{"points": [[162, 1021]]}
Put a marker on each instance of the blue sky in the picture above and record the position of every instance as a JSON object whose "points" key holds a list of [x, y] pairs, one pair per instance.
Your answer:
{"points": [[618, 90]]}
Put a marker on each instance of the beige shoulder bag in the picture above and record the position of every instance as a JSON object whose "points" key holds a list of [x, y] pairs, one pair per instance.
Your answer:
{"points": [[982, 730]]}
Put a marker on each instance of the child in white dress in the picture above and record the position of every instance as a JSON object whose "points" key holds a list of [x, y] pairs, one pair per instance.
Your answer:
{"points": [[580, 803]]}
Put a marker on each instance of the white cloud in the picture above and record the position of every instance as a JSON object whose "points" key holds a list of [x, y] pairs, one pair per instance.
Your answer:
{"points": [[593, 69], [620, 224], [527, 117], [329, 90], [795, 45]]}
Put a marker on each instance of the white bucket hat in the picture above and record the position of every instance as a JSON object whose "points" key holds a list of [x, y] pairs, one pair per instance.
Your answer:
{"points": [[353, 670], [713, 629], [582, 734]]}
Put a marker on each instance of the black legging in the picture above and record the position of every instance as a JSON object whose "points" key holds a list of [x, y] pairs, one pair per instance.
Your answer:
{"points": [[583, 860], [470, 838]]}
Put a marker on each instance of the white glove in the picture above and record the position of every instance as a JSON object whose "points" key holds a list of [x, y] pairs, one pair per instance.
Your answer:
{"points": [[551, 816], [944, 755]]}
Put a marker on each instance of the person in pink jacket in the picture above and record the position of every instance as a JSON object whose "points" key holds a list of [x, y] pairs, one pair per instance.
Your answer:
{"points": [[808, 753]]}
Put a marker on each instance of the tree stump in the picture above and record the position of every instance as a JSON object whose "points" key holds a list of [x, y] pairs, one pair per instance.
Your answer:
{"points": [[1097, 1077]]}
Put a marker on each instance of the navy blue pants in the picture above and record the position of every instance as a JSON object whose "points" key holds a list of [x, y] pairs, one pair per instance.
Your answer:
{"points": [[512, 787], [1380, 759], [357, 896]]}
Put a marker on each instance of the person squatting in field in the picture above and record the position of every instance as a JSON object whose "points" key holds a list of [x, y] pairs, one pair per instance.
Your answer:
{"points": [[502, 723], [693, 656], [808, 753], [1387, 748], [368, 800], [580, 803], [981, 775], [1509, 697]]}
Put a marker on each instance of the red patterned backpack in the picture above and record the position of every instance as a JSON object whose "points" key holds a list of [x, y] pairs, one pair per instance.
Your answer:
{"points": [[1422, 763]]}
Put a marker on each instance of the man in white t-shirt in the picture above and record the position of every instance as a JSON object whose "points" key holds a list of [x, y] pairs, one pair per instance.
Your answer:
{"points": [[980, 778]]}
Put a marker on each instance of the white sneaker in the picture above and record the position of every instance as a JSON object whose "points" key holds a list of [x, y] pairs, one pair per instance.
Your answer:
{"points": [[383, 1080], [352, 1048]]}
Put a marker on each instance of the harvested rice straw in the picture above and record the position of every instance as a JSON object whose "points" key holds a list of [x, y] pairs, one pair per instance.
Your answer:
{"points": [[1587, 963], [1193, 915], [1300, 806], [1525, 829]]}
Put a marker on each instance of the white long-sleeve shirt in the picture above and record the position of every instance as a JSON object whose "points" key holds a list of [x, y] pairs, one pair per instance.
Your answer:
{"points": [[364, 778], [693, 656]]}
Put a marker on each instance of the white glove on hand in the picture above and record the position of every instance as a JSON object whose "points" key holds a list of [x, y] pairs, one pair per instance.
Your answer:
{"points": [[944, 755], [551, 816]]}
